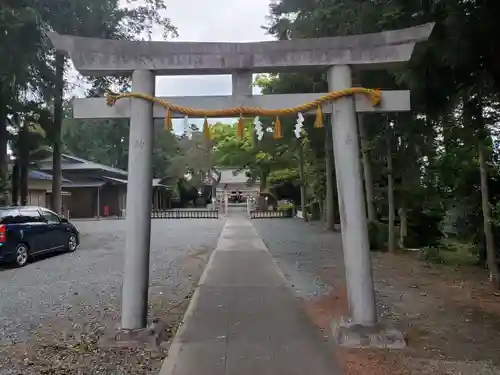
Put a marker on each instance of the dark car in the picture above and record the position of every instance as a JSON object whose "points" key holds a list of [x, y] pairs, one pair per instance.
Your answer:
{"points": [[26, 232]]}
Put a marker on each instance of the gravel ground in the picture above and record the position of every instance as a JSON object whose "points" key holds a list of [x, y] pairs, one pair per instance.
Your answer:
{"points": [[451, 317], [53, 311], [303, 251], [300, 250]]}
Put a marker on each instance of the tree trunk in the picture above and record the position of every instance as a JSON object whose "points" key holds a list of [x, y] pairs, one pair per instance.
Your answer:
{"points": [[263, 181], [302, 182], [412, 175], [390, 192], [367, 169], [321, 197], [262, 199], [321, 204], [23, 182], [24, 161], [403, 230], [15, 182], [488, 232], [57, 141], [330, 196], [473, 113], [4, 159]]}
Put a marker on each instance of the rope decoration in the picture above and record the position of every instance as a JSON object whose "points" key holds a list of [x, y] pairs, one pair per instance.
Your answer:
{"points": [[168, 121], [278, 133], [240, 128], [374, 95], [318, 123]]}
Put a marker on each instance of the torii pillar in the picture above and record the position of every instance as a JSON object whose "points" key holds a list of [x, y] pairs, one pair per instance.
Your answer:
{"points": [[351, 200], [338, 55], [139, 195]]}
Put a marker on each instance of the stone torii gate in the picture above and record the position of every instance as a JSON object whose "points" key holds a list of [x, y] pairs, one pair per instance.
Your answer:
{"points": [[144, 60]]}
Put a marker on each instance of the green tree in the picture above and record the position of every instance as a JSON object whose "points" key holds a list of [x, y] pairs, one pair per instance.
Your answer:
{"points": [[102, 141], [93, 18], [259, 157], [28, 146], [431, 145], [20, 70], [32, 67], [107, 142]]}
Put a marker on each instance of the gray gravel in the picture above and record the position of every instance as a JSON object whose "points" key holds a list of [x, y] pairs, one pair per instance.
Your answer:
{"points": [[301, 250], [67, 291]]}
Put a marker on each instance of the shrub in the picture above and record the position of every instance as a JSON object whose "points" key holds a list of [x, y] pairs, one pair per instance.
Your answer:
{"points": [[431, 255], [450, 253], [285, 206], [424, 229], [378, 234], [314, 211]]}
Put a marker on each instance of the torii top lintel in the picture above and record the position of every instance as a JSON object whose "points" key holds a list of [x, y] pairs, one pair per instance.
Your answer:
{"points": [[106, 57]]}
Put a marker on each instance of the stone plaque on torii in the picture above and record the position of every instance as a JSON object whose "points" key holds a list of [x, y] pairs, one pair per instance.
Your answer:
{"points": [[144, 60]]}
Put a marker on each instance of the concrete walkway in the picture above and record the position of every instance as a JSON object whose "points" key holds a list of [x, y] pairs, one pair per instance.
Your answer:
{"points": [[243, 318]]}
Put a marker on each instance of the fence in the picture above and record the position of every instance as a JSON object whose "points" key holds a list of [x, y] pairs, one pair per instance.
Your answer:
{"points": [[270, 214], [185, 214]]}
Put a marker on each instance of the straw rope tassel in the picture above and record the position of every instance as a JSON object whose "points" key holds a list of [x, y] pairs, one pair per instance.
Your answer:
{"points": [[240, 128], [168, 121], [319, 118], [278, 133], [206, 129], [374, 95]]}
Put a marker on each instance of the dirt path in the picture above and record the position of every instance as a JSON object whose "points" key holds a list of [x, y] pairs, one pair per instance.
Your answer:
{"points": [[451, 318]]}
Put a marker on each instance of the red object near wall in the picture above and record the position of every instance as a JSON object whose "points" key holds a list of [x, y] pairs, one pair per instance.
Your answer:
{"points": [[106, 210]]}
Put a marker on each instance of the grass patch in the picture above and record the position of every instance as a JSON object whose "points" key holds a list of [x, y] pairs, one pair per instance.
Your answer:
{"points": [[451, 252], [285, 206]]}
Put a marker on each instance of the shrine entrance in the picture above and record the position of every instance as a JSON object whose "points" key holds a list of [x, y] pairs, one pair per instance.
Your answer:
{"points": [[338, 56]]}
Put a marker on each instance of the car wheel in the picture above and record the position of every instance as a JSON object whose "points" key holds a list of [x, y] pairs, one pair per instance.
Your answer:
{"points": [[22, 255], [72, 244]]}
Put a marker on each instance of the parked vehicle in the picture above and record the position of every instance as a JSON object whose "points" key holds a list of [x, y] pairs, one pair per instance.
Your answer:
{"points": [[26, 232]]}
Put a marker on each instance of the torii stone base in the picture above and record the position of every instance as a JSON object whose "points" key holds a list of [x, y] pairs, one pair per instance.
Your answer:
{"points": [[351, 335]]}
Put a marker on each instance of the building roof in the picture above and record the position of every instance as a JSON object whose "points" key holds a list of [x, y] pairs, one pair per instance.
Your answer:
{"points": [[83, 184], [39, 175], [97, 179], [76, 163], [102, 181], [233, 176], [119, 180]]}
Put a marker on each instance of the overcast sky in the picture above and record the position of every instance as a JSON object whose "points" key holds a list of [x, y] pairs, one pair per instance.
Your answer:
{"points": [[207, 21], [212, 21]]}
